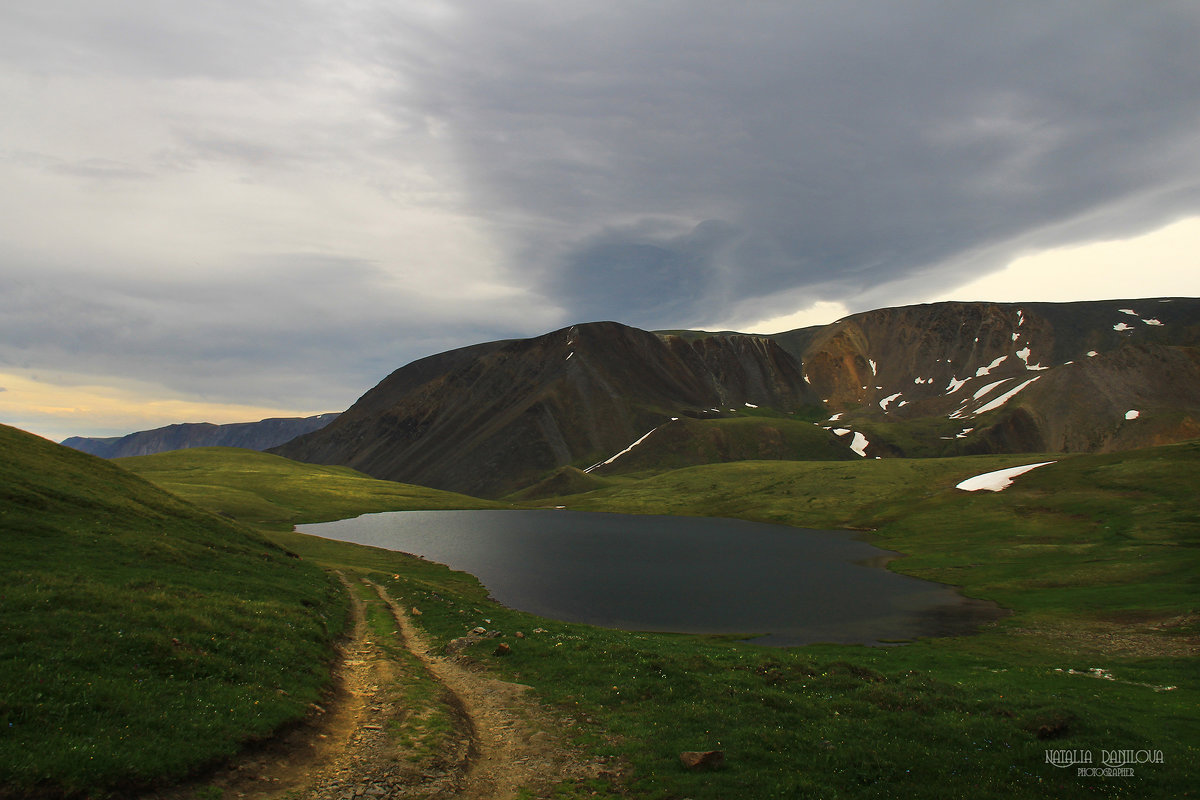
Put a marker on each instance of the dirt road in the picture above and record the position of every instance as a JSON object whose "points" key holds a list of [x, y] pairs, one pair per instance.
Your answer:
{"points": [[406, 722]]}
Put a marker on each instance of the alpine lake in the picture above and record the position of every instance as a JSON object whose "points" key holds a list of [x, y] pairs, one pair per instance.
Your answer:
{"points": [[783, 586]]}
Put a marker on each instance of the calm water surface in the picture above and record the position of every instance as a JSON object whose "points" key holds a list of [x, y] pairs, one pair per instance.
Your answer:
{"points": [[686, 574]]}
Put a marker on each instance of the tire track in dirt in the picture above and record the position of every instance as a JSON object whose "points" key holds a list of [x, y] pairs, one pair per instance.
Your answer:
{"points": [[514, 746], [502, 744]]}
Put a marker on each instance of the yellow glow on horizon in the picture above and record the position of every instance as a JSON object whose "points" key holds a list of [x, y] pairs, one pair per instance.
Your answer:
{"points": [[822, 312], [1161, 263], [56, 410]]}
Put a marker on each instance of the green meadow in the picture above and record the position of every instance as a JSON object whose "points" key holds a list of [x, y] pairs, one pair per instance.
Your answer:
{"points": [[273, 492], [1096, 556]]}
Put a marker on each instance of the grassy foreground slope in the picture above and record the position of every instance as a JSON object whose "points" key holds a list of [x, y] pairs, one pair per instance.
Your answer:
{"points": [[143, 637]]}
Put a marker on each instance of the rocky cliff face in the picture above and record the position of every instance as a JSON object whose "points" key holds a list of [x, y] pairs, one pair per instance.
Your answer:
{"points": [[930, 380], [1018, 377], [250, 435]]}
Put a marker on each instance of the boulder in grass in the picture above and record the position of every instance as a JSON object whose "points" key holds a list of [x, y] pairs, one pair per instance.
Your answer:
{"points": [[702, 759]]}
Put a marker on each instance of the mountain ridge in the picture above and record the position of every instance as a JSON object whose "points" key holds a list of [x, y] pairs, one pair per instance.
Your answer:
{"points": [[500, 417], [259, 435], [924, 380]]}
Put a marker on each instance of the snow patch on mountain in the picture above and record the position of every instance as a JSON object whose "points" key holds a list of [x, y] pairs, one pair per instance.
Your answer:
{"points": [[859, 445], [1152, 321], [885, 402], [996, 481], [984, 390], [979, 373], [1024, 354], [613, 458], [1132, 414], [1004, 398]]}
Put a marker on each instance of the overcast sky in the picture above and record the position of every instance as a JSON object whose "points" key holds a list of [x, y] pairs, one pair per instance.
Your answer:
{"points": [[233, 209]]}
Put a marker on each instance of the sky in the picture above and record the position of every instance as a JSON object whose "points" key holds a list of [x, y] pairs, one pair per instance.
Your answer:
{"points": [[237, 209]]}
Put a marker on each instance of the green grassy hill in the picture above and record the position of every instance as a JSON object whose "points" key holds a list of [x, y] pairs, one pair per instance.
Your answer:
{"points": [[274, 492], [687, 442], [143, 637]]}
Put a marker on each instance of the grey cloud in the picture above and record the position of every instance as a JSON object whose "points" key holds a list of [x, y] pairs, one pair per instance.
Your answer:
{"points": [[850, 144], [292, 329], [218, 40], [90, 168], [102, 169], [641, 273]]}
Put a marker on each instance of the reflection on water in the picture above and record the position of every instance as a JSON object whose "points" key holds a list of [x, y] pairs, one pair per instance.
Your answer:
{"points": [[686, 574]]}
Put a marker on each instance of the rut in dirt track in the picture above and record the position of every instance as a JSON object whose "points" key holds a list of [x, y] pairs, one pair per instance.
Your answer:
{"points": [[501, 742]]}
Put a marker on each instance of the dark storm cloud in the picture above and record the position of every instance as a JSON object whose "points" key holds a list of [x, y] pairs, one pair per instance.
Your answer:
{"points": [[847, 144], [640, 274]]}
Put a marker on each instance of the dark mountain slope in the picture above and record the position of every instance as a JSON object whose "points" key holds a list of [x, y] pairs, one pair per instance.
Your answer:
{"points": [[1135, 396], [498, 418], [249, 435]]}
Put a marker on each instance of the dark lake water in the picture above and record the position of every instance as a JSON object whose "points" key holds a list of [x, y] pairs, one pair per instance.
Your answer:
{"points": [[685, 574]]}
